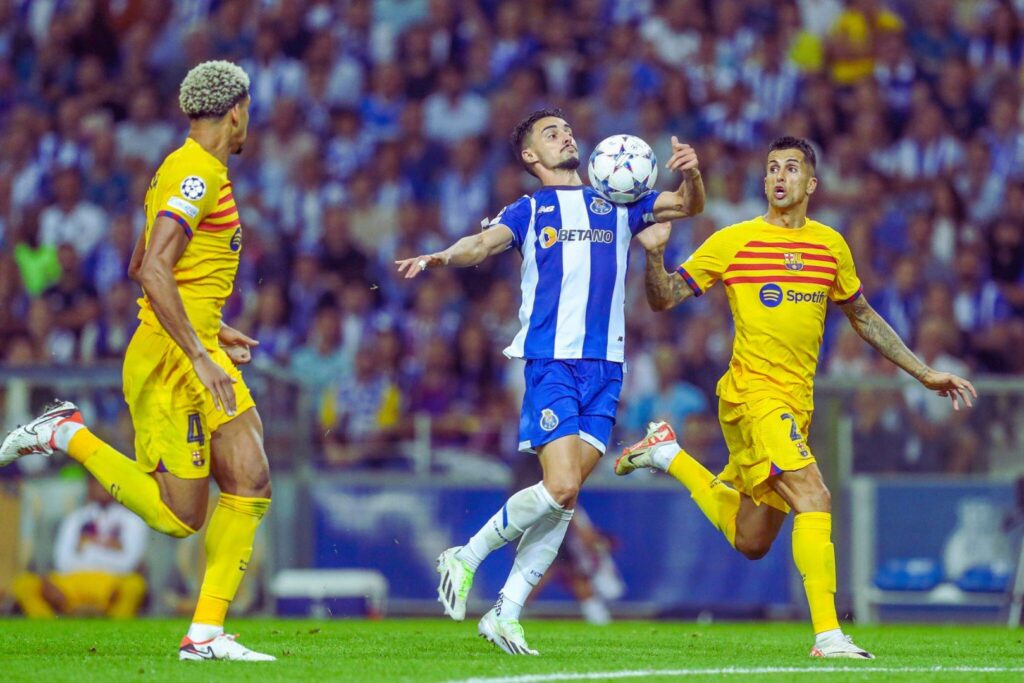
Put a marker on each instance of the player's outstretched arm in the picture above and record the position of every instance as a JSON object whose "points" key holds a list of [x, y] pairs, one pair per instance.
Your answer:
{"points": [[468, 251], [664, 289], [688, 199], [874, 330], [167, 243]]}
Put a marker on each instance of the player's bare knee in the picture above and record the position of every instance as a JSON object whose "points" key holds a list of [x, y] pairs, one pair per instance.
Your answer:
{"points": [[193, 518], [753, 547], [564, 491]]}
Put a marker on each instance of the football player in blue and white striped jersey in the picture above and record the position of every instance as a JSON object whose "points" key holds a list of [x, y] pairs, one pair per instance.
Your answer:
{"points": [[574, 245]]}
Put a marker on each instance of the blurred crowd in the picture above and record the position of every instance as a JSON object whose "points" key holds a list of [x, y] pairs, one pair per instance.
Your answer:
{"points": [[379, 128]]}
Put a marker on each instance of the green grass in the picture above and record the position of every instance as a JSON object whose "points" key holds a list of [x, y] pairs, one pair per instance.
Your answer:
{"points": [[83, 650]]}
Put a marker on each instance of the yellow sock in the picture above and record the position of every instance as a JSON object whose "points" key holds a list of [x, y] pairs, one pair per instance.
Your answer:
{"points": [[718, 502], [815, 558], [229, 539], [129, 485]]}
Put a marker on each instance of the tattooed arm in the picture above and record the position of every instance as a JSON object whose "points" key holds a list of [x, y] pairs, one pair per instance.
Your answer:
{"points": [[664, 290], [874, 330]]}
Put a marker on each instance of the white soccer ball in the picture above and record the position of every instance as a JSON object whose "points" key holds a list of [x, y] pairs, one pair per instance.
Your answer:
{"points": [[623, 169]]}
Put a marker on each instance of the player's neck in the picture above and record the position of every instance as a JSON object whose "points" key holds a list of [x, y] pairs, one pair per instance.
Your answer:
{"points": [[213, 140], [794, 217], [560, 177]]}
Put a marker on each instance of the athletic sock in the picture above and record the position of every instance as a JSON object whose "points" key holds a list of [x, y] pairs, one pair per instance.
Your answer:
{"points": [[718, 502], [520, 512], [129, 485], [815, 559], [200, 633], [536, 552], [825, 637], [507, 608], [229, 539]]}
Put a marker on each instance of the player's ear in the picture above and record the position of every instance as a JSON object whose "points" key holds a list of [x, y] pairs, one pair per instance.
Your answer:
{"points": [[528, 155], [812, 185]]}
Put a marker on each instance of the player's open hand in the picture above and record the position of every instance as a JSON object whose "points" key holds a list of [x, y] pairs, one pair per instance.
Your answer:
{"points": [[219, 383], [654, 237], [411, 267], [683, 156], [946, 384]]}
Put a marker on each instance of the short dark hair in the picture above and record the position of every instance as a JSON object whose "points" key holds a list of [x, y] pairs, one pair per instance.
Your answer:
{"points": [[523, 128], [790, 142]]}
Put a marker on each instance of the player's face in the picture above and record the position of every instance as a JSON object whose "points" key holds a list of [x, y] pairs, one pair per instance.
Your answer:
{"points": [[789, 179], [240, 129], [552, 144]]}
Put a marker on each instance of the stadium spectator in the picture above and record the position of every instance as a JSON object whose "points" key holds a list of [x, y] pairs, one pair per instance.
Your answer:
{"points": [[96, 560], [380, 128]]}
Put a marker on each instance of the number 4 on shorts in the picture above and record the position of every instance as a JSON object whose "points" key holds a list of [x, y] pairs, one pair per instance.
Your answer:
{"points": [[195, 430]]}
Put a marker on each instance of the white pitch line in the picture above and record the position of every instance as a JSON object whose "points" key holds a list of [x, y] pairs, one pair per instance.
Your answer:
{"points": [[738, 671]]}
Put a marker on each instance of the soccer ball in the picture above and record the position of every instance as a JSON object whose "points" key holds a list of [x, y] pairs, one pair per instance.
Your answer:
{"points": [[623, 169]]}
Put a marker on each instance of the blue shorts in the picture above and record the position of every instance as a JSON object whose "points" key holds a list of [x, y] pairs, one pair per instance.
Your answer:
{"points": [[569, 397]]}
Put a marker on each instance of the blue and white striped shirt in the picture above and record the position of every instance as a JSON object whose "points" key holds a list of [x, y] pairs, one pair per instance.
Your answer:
{"points": [[574, 245]]}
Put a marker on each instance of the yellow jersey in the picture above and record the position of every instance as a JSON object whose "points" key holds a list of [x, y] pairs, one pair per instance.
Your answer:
{"points": [[191, 187], [779, 282]]}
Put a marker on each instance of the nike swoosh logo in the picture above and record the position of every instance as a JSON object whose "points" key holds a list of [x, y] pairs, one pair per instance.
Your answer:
{"points": [[205, 653]]}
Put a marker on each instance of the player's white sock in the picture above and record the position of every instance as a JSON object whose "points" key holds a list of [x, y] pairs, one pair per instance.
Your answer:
{"points": [[663, 455], [535, 554], [521, 512], [825, 636], [200, 633], [507, 608], [62, 435]]}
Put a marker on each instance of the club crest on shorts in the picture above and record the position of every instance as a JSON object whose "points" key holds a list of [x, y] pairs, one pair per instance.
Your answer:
{"points": [[197, 459], [600, 206], [548, 420]]}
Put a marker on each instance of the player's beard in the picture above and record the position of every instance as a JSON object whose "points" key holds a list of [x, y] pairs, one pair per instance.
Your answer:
{"points": [[570, 164]]}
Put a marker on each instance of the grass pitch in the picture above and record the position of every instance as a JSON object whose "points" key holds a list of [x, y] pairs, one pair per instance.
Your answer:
{"points": [[83, 650]]}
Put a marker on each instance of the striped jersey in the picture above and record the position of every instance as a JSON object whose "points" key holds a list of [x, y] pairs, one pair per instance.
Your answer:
{"points": [[778, 282], [191, 188], [574, 245]]}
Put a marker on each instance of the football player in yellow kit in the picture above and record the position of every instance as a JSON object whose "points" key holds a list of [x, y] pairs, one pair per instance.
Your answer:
{"points": [[780, 270], [192, 413]]}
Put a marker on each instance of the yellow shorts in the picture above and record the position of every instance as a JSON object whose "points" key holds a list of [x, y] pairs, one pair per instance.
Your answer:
{"points": [[172, 412], [764, 437], [95, 591]]}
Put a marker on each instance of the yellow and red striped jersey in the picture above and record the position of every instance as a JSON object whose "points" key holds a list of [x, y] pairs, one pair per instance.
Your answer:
{"points": [[778, 281], [191, 187]]}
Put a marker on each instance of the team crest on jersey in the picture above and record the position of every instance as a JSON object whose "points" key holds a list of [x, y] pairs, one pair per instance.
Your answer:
{"points": [[236, 240], [794, 260], [193, 187], [548, 420], [600, 206], [548, 237]]}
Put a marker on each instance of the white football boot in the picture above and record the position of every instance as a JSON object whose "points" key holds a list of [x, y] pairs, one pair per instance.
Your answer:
{"points": [[454, 584], [840, 647], [221, 646], [505, 633], [640, 455], [37, 435]]}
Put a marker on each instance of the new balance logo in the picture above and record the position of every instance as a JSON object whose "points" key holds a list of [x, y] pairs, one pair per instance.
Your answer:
{"points": [[545, 209]]}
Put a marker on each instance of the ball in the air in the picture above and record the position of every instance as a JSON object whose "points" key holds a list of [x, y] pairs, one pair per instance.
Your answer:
{"points": [[623, 169]]}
